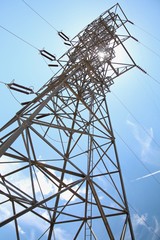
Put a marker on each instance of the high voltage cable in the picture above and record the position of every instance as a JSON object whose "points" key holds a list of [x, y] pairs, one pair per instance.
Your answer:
{"points": [[153, 78], [10, 92], [148, 74], [33, 45], [63, 36], [14, 96], [39, 15], [151, 50], [44, 53], [150, 34], [130, 149], [135, 118], [3, 82], [7, 85], [158, 55], [153, 95], [20, 38], [150, 229]]}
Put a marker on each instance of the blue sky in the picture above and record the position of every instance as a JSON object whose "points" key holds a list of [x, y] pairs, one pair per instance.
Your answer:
{"points": [[133, 101]]}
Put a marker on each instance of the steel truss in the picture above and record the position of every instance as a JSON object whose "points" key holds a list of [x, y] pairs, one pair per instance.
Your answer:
{"points": [[59, 161]]}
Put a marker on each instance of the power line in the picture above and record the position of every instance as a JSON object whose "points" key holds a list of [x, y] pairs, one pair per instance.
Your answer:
{"points": [[144, 45], [17, 87], [14, 96], [148, 74], [43, 52], [153, 78], [134, 118], [130, 149], [20, 38], [63, 36], [148, 48], [150, 34], [39, 15], [149, 228], [3, 82]]}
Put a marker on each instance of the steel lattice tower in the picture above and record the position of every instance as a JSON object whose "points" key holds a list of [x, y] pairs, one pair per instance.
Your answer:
{"points": [[63, 143]]}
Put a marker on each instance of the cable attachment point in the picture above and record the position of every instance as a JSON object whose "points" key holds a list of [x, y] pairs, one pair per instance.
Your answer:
{"points": [[130, 22], [141, 69], [134, 39], [42, 115], [65, 38], [48, 55], [20, 88], [53, 65]]}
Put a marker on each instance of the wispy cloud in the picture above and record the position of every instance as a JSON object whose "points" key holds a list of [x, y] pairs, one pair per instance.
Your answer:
{"points": [[150, 230], [148, 175], [145, 140], [22, 181], [139, 220], [156, 229], [20, 230]]}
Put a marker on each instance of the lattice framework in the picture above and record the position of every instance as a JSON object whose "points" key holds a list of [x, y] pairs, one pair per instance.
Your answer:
{"points": [[62, 143]]}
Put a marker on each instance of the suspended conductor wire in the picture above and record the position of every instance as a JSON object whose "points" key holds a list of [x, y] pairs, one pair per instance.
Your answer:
{"points": [[3, 82], [150, 34], [20, 38], [51, 137], [154, 79], [130, 149], [14, 96], [153, 95], [149, 228], [23, 40], [28, 43], [47, 64], [148, 74], [148, 48], [135, 118], [64, 37], [151, 50], [10, 92], [39, 15]]}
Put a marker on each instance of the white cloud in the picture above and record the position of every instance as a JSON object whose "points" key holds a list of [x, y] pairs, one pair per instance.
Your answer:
{"points": [[145, 139], [156, 229], [68, 194], [22, 180], [152, 231], [20, 230], [46, 185], [139, 220], [5, 212], [61, 234], [6, 168]]}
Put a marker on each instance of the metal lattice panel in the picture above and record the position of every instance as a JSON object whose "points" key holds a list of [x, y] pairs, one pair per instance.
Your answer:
{"points": [[60, 163]]}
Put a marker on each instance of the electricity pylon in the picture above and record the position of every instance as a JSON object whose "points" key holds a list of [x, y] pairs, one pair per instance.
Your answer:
{"points": [[60, 166]]}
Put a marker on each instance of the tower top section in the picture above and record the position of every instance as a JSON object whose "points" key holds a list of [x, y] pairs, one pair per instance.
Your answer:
{"points": [[96, 52]]}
